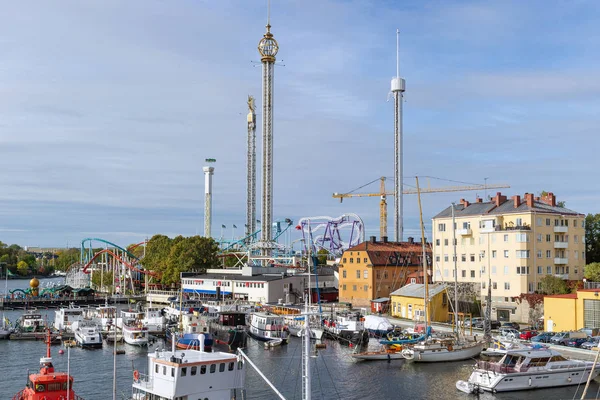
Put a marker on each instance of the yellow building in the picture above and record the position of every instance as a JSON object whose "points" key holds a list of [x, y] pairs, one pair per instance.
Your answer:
{"points": [[372, 269], [407, 302], [511, 243], [570, 312]]}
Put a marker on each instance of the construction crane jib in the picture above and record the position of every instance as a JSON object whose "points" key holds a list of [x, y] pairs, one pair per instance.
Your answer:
{"points": [[383, 194]]}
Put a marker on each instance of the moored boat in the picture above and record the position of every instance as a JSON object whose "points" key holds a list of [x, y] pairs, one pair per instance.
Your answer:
{"points": [[388, 353], [134, 331], [48, 384], [87, 334], [190, 374], [528, 369], [66, 316], [229, 328], [265, 326], [347, 327], [30, 321]]}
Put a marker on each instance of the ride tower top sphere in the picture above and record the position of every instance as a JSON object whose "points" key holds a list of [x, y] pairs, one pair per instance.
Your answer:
{"points": [[267, 48]]}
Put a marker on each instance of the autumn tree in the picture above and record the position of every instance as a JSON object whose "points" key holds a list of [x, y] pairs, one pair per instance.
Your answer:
{"points": [[592, 272], [551, 284], [22, 268], [592, 238]]}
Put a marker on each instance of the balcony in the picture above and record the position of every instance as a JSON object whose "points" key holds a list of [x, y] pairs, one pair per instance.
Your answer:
{"points": [[561, 229], [561, 245], [559, 260], [564, 277], [464, 232]]}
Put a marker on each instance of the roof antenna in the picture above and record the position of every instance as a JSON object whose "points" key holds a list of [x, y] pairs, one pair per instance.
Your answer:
{"points": [[397, 52], [268, 12]]}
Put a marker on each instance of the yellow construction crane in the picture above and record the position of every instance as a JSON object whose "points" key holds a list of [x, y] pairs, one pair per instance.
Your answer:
{"points": [[383, 196]]}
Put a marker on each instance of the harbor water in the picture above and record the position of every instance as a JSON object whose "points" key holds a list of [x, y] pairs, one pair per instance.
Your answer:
{"points": [[335, 374]]}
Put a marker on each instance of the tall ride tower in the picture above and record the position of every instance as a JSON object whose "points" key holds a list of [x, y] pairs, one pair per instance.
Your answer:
{"points": [[398, 87], [251, 166], [208, 173], [267, 47]]}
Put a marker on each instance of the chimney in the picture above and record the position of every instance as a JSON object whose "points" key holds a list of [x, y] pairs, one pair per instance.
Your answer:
{"points": [[517, 201], [479, 200], [549, 199], [384, 239], [373, 239], [464, 203], [529, 200], [411, 239], [499, 199], [537, 198]]}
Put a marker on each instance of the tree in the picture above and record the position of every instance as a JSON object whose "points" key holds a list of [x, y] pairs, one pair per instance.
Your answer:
{"points": [[551, 284], [536, 306], [102, 279], [170, 257], [592, 272], [592, 238], [22, 268], [66, 258], [323, 256]]}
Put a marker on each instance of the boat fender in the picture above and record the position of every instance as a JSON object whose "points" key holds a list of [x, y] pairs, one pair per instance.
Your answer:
{"points": [[529, 381], [450, 347], [568, 379], [136, 375]]}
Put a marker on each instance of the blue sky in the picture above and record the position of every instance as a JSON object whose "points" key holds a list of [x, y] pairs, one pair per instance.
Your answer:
{"points": [[109, 108]]}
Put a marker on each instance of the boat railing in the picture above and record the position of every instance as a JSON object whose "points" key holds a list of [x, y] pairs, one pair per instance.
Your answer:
{"points": [[144, 381], [20, 395]]}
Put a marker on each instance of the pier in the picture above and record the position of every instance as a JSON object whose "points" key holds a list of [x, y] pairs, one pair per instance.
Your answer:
{"points": [[63, 301]]}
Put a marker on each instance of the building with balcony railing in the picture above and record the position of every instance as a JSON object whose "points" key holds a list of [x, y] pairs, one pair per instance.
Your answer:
{"points": [[510, 244]]}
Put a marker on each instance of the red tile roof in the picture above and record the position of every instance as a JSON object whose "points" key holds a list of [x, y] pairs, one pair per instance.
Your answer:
{"points": [[392, 253]]}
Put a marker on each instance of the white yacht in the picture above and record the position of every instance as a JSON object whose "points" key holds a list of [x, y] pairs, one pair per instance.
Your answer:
{"points": [[87, 334], [266, 326], [444, 349], [106, 316], [527, 369], [190, 374], [134, 331], [66, 316]]}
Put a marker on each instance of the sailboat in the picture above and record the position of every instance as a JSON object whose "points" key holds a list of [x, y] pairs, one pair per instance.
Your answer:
{"points": [[434, 349]]}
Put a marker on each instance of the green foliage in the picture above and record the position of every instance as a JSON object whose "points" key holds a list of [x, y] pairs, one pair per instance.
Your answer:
{"points": [[558, 203], [592, 238], [170, 257], [551, 284], [322, 256], [22, 268], [66, 258], [592, 272], [105, 279]]}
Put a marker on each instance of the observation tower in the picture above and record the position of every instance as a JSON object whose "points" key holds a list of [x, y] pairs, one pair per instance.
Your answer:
{"points": [[398, 87]]}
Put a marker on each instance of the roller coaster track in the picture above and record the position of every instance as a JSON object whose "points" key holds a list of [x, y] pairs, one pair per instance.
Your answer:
{"points": [[83, 249], [129, 265]]}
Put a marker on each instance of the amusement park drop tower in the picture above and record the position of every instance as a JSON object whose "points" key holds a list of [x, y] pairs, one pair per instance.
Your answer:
{"points": [[267, 47]]}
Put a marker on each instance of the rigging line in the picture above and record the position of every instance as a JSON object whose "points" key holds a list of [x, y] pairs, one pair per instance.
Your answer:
{"points": [[318, 376], [451, 180], [291, 360], [366, 184], [331, 377]]}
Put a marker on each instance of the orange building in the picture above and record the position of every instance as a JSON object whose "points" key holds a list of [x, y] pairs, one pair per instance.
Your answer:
{"points": [[372, 269]]}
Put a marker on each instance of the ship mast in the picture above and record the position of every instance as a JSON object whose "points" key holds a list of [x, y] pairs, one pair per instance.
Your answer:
{"points": [[424, 260]]}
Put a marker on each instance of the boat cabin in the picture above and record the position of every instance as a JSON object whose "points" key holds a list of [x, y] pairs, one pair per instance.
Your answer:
{"points": [[232, 318], [517, 361], [190, 374]]}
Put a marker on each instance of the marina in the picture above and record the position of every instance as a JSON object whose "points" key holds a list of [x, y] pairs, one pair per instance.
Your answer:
{"points": [[495, 296]]}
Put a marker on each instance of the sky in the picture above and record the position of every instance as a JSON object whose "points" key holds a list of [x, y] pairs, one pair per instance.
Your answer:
{"points": [[109, 108]]}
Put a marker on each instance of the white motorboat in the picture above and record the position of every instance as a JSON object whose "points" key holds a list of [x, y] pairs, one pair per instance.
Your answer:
{"points": [[134, 331], [193, 374], [66, 316], [87, 334], [528, 369], [106, 316], [266, 326], [154, 320], [273, 342]]}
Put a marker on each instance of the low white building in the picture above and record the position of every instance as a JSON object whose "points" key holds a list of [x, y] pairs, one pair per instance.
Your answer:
{"points": [[258, 284]]}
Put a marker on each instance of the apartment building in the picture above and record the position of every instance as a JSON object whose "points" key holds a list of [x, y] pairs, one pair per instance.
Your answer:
{"points": [[373, 269], [512, 243]]}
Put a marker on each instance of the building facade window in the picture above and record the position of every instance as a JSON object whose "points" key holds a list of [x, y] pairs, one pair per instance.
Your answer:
{"points": [[538, 221], [522, 238], [366, 274], [472, 257], [354, 288], [437, 242], [548, 269], [505, 270], [505, 253], [548, 253], [494, 253], [494, 285], [506, 238], [506, 285], [522, 253], [539, 270], [358, 274], [442, 227], [463, 257], [446, 257], [344, 273], [445, 242], [539, 254], [472, 273], [464, 273]]}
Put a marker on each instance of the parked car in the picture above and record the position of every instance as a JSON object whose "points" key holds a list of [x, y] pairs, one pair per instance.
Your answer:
{"points": [[512, 325], [480, 324], [576, 342], [563, 337], [591, 343], [542, 337], [528, 334], [509, 333], [474, 322]]}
